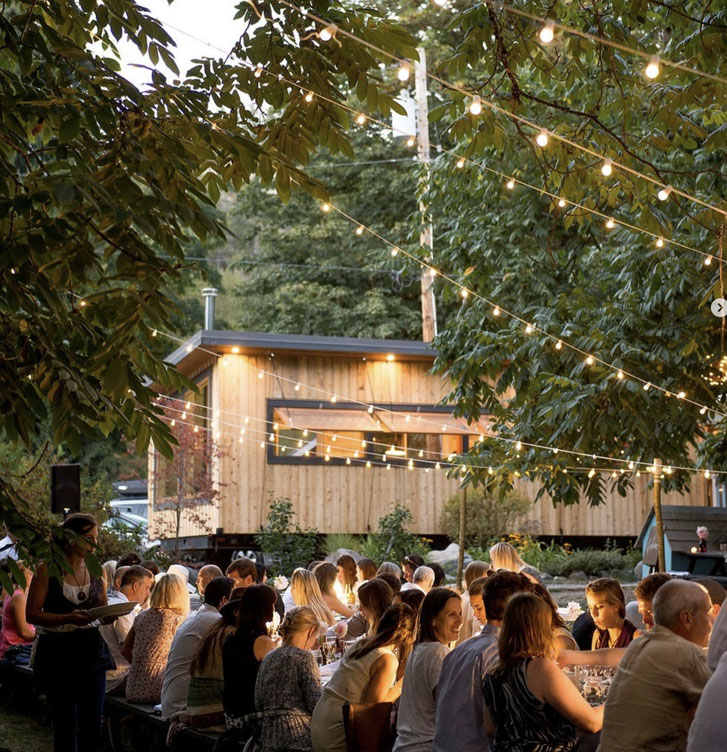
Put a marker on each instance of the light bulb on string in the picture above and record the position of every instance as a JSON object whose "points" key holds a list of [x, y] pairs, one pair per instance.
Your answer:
{"points": [[591, 473], [258, 71], [681, 395], [476, 105], [589, 360], [607, 167], [328, 33], [703, 410], [558, 345], [706, 474], [653, 68], [561, 203], [660, 242], [325, 207], [410, 141], [308, 97], [360, 118], [496, 311], [460, 163], [510, 184], [529, 329], [359, 230], [620, 374], [547, 32], [542, 138], [464, 293], [647, 386], [610, 223], [297, 387], [518, 445], [404, 72], [708, 261], [394, 251], [664, 193]]}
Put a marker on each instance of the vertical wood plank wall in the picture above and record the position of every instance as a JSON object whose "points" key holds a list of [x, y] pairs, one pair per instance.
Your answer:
{"points": [[332, 498]]}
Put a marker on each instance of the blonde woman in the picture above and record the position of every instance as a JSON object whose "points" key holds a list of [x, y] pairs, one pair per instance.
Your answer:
{"points": [[147, 645], [305, 591], [529, 702], [288, 685], [504, 556]]}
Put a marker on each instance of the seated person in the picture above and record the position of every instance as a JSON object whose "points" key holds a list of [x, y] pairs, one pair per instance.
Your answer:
{"points": [[243, 571], [14, 628], [662, 675], [607, 606], [423, 578], [327, 575]]}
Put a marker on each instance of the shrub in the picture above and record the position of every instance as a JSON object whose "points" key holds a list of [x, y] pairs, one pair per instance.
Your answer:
{"points": [[487, 519], [283, 540], [392, 541], [334, 541]]}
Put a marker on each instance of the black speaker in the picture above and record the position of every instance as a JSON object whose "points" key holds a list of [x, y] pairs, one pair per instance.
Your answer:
{"points": [[65, 488]]}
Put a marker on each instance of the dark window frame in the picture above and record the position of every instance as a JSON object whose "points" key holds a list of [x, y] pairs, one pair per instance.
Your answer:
{"points": [[367, 456]]}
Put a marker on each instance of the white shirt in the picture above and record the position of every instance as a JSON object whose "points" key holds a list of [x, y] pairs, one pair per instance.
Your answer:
{"points": [[718, 639], [413, 586], [709, 728], [8, 549], [115, 634], [184, 646]]}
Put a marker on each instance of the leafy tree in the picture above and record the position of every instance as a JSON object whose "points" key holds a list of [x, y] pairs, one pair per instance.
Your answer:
{"points": [[103, 186], [611, 293], [306, 272], [284, 540], [392, 540]]}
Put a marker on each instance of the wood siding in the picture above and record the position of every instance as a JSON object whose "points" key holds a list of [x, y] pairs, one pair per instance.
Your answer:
{"points": [[332, 498]]}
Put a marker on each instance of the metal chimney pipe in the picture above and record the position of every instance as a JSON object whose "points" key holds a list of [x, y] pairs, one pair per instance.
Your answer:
{"points": [[209, 294]]}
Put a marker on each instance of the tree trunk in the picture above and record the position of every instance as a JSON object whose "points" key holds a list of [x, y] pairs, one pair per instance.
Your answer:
{"points": [[460, 557]]}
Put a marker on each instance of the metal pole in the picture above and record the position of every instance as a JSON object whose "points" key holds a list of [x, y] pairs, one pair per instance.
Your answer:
{"points": [[429, 306], [462, 526], [657, 515]]}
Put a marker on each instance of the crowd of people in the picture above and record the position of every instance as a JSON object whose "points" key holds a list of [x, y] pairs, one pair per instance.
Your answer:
{"points": [[488, 669]]}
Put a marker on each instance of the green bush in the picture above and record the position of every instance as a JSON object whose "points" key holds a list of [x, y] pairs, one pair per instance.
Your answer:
{"points": [[487, 519], [392, 540], [283, 540], [334, 541]]}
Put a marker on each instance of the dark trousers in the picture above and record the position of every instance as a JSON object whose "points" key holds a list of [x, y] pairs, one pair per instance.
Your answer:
{"points": [[76, 708]]}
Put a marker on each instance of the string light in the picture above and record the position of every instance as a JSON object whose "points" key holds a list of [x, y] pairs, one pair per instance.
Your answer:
{"points": [[258, 71], [681, 395], [404, 72], [591, 473], [325, 207], [261, 375], [464, 293], [542, 138], [333, 398], [529, 329], [189, 348], [297, 387], [410, 141], [589, 360], [652, 69], [460, 164], [308, 97], [706, 474], [607, 167], [495, 311], [328, 33], [359, 230], [664, 193], [558, 345], [476, 105], [620, 374], [647, 386], [547, 33], [660, 243], [610, 223], [394, 251], [360, 119], [519, 445], [510, 184], [561, 202], [703, 410], [708, 261]]}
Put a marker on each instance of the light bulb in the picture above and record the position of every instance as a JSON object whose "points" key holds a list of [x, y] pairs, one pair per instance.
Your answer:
{"points": [[404, 72], [708, 261], [681, 395], [703, 410], [542, 138], [664, 193], [189, 348], [529, 329], [297, 387], [325, 208], [589, 360], [652, 69], [309, 97], [647, 386], [261, 375], [371, 409], [547, 33], [258, 71], [510, 184], [620, 374], [495, 311], [607, 167], [329, 32], [334, 398], [460, 163], [368, 463], [476, 105], [660, 242], [519, 445], [410, 141], [591, 473], [394, 251], [360, 118], [464, 293], [610, 223], [173, 423], [561, 203], [558, 345], [154, 333]]}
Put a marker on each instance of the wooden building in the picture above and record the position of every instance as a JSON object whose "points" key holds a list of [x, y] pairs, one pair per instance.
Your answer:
{"points": [[344, 428]]}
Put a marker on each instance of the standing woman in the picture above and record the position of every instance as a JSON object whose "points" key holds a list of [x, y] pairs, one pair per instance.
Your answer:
{"points": [[288, 685], [530, 703], [147, 644], [243, 652], [607, 606], [372, 671], [71, 657], [440, 620]]}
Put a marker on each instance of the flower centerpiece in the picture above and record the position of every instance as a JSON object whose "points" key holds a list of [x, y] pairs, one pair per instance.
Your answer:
{"points": [[280, 582], [573, 611], [273, 625]]}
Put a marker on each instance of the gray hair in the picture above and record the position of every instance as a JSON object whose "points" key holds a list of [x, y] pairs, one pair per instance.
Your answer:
{"points": [[423, 574], [676, 596], [390, 568]]}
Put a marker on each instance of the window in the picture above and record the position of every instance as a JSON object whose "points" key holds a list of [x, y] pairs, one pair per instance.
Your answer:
{"points": [[309, 432]]}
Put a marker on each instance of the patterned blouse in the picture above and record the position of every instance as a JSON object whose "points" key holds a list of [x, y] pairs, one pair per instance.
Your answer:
{"points": [[286, 692], [522, 722], [153, 633]]}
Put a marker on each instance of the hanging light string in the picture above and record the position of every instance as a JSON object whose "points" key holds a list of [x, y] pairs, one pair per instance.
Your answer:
{"points": [[334, 397], [548, 23], [530, 327], [186, 411], [510, 180], [543, 134]]}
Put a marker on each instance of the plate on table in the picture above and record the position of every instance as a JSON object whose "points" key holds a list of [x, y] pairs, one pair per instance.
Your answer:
{"points": [[115, 609]]}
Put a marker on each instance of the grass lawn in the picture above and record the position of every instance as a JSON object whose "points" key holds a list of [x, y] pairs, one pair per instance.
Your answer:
{"points": [[23, 733]]}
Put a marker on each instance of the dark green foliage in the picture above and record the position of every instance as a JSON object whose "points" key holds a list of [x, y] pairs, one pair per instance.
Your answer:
{"points": [[392, 541], [284, 540]]}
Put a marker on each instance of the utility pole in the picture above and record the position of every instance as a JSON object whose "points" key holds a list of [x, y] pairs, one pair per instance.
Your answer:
{"points": [[657, 515], [429, 306]]}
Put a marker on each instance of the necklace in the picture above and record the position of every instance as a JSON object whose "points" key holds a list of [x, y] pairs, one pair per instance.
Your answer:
{"points": [[81, 595]]}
